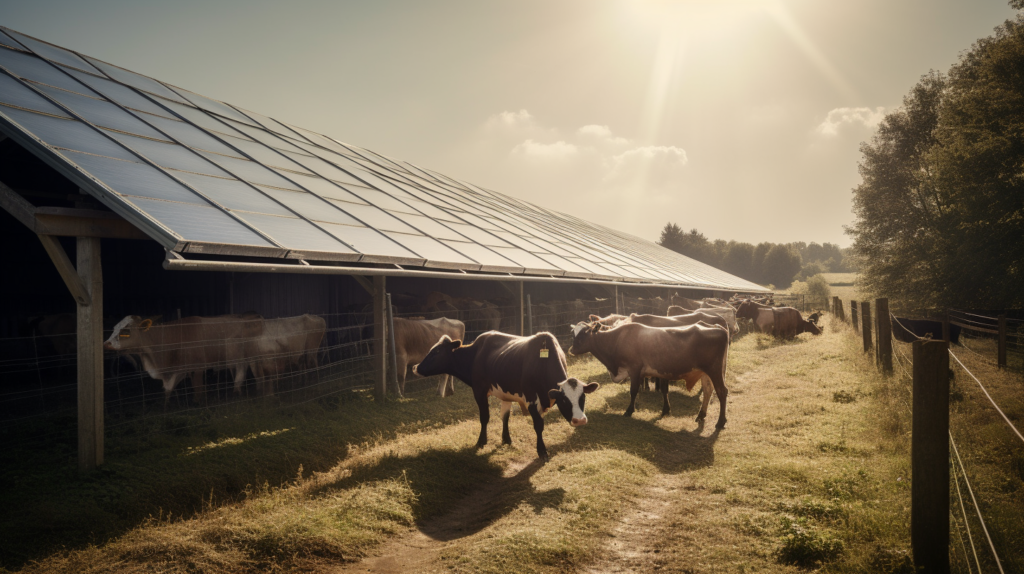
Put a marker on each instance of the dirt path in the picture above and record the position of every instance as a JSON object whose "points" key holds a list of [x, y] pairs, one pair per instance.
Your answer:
{"points": [[418, 549]]}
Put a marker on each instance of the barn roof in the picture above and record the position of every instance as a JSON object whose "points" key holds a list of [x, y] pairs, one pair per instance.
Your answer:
{"points": [[201, 176]]}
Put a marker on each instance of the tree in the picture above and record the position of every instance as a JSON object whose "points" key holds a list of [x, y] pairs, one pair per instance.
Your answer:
{"points": [[818, 292], [940, 212], [780, 266], [740, 261], [672, 237], [899, 218]]}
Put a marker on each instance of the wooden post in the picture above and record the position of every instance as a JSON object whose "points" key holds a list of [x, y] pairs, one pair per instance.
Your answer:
{"points": [[519, 306], [884, 332], [90, 356], [865, 321], [1001, 348], [842, 311], [529, 315], [380, 370], [392, 355], [945, 325], [853, 313], [618, 305], [929, 454]]}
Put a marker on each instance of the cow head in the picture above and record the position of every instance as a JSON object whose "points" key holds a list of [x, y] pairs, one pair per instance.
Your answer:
{"points": [[570, 396], [128, 333], [438, 361], [581, 333], [747, 310]]}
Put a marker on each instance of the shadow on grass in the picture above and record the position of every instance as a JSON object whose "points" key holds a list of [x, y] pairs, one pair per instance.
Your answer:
{"points": [[463, 489], [177, 463]]}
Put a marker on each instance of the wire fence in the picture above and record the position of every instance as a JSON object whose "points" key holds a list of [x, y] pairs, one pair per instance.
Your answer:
{"points": [[229, 371], [977, 504]]}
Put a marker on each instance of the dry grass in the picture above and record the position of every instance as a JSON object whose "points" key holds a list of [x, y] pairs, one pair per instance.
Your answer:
{"points": [[810, 471]]}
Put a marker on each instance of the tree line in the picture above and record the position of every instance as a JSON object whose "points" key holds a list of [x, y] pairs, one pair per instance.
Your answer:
{"points": [[940, 210], [777, 264]]}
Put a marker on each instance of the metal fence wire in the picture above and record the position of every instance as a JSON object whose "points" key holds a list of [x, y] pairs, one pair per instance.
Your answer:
{"points": [[38, 393]]}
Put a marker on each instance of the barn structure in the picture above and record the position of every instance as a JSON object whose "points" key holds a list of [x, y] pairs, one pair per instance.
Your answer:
{"points": [[113, 184]]}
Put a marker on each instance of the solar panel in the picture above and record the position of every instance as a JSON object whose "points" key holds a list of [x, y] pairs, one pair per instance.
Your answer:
{"points": [[202, 175]]}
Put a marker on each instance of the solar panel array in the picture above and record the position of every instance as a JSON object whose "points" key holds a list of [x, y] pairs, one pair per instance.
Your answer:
{"points": [[202, 176]]}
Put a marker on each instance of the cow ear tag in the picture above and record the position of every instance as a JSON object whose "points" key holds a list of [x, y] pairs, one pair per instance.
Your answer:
{"points": [[544, 352]]}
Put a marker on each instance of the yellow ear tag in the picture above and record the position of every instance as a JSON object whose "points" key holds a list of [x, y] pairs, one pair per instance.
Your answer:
{"points": [[544, 351]]}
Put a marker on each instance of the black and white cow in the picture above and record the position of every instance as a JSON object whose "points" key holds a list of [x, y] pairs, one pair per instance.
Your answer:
{"points": [[529, 371]]}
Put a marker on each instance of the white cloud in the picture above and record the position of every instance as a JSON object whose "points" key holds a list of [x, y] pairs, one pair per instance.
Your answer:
{"points": [[647, 170], [601, 134], [510, 119], [840, 117], [547, 151]]}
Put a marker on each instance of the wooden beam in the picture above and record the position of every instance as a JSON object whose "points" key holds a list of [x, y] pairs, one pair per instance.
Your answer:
{"points": [[929, 457], [67, 271], [520, 304], [380, 355], [90, 356], [67, 221], [364, 283]]}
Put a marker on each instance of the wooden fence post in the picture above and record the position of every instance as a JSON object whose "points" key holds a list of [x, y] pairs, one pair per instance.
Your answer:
{"points": [[853, 314], [380, 370], [1001, 349], [929, 453], [884, 323], [392, 355], [529, 315], [90, 355], [865, 322], [842, 310], [945, 324], [617, 302]]}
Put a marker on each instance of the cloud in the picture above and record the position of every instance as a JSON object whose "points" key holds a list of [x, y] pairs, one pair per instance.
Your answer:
{"points": [[840, 117], [510, 119], [545, 151], [601, 134], [647, 170]]}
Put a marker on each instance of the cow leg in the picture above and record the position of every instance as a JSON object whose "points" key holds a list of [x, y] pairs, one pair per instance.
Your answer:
{"points": [[449, 382], [485, 416], [401, 367], [506, 410], [538, 425], [723, 394], [705, 387], [171, 381], [666, 408], [634, 387]]}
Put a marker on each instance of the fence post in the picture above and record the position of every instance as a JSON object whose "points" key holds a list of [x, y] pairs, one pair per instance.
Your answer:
{"points": [[1001, 352], [519, 308], [618, 306], [90, 356], [379, 362], [392, 355], [929, 454], [853, 314], [945, 324], [865, 323], [842, 311], [884, 323], [529, 315]]}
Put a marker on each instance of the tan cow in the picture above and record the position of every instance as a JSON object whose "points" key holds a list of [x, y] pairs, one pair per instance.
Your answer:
{"points": [[782, 322], [635, 351], [413, 340], [286, 343], [189, 346]]}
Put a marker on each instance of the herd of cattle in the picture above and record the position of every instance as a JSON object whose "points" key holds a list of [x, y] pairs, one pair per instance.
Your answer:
{"points": [[679, 339]]}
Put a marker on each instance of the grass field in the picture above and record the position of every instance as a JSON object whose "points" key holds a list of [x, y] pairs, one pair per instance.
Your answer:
{"points": [[811, 472]]}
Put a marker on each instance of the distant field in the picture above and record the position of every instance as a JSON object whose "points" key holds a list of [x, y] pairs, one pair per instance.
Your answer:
{"points": [[841, 285]]}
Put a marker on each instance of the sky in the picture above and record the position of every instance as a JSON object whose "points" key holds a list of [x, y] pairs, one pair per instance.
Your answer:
{"points": [[740, 118]]}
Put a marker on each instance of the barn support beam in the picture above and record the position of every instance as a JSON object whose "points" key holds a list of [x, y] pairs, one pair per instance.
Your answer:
{"points": [[392, 352], [66, 269], [618, 300], [90, 356], [520, 290], [380, 355]]}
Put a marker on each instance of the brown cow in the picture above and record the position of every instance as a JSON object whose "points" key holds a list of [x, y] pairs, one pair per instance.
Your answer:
{"points": [[610, 320], [188, 347], [286, 343], [525, 370], [782, 322], [413, 340], [679, 353]]}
